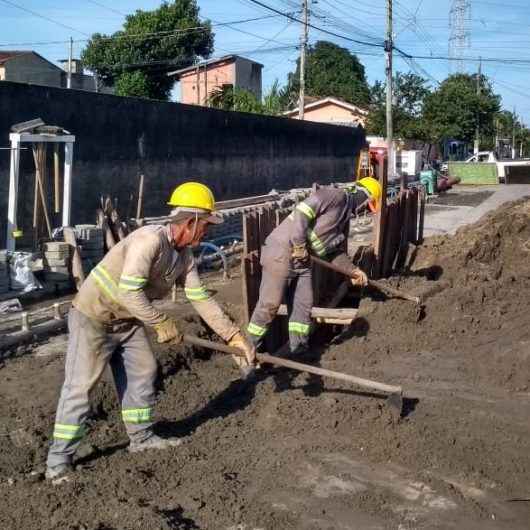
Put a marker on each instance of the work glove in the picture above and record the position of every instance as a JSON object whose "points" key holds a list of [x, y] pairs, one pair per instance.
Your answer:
{"points": [[248, 350], [359, 278], [168, 331], [300, 256]]}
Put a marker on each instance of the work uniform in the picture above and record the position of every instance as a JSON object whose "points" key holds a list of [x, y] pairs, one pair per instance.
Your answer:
{"points": [[321, 222], [106, 325]]}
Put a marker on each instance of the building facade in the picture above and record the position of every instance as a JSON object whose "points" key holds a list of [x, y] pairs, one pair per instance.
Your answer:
{"points": [[331, 110], [200, 81], [26, 66]]}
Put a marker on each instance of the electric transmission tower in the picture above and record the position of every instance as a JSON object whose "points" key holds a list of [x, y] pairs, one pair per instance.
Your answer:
{"points": [[460, 31]]}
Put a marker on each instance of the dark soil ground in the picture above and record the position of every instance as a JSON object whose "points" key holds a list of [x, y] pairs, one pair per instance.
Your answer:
{"points": [[299, 452]]}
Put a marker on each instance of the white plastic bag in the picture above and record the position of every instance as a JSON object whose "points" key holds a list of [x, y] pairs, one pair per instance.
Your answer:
{"points": [[20, 273]]}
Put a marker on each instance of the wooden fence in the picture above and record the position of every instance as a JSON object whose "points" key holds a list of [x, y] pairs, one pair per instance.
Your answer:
{"points": [[401, 225]]}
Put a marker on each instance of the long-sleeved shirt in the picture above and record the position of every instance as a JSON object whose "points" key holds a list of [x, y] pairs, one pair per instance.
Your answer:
{"points": [[321, 221], [141, 268]]}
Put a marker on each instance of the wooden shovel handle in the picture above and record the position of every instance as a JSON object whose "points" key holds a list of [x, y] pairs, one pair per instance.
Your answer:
{"points": [[372, 283], [271, 359]]}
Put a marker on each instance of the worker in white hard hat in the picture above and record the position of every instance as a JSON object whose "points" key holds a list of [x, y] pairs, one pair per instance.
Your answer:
{"points": [[108, 320], [316, 226]]}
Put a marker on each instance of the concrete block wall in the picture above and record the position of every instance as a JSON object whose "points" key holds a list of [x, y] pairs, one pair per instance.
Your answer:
{"points": [[118, 138]]}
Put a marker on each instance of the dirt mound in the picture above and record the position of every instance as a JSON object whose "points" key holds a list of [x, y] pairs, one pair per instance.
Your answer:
{"points": [[476, 290], [295, 451]]}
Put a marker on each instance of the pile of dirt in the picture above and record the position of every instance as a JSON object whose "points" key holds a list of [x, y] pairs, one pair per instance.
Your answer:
{"points": [[294, 451], [476, 290]]}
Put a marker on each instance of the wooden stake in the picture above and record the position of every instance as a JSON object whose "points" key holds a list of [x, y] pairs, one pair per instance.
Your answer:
{"points": [[140, 198], [56, 175], [77, 264]]}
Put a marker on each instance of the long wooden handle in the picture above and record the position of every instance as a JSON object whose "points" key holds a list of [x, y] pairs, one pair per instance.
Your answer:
{"points": [[372, 283], [271, 359]]}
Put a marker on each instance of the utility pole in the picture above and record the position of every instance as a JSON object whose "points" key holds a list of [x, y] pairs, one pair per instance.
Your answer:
{"points": [[477, 131], [303, 51], [514, 122], [389, 96], [380, 224], [69, 73]]}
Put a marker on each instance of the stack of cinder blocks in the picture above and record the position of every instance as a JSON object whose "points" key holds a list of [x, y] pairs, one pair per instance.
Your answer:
{"points": [[91, 243], [4, 272], [57, 263]]}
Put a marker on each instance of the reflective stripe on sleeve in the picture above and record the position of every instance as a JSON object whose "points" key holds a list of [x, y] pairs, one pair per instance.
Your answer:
{"points": [[64, 431], [299, 328], [132, 283], [306, 210], [144, 415], [315, 243], [105, 282], [256, 330], [196, 293]]}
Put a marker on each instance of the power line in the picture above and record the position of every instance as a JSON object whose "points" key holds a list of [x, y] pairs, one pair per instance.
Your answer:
{"points": [[111, 9], [34, 13], [156, 34], [273, 9]]}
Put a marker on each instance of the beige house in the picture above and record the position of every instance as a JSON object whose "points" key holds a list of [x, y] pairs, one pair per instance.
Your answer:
{"points": [[197, 82], [331, 110]]}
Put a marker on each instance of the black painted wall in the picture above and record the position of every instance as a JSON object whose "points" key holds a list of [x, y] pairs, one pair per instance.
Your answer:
{"points": [[236, 154]]}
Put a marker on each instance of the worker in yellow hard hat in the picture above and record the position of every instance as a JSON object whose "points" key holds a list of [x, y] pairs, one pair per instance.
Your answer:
{"points": [[109, 316], [374, 191], [318, 225]]}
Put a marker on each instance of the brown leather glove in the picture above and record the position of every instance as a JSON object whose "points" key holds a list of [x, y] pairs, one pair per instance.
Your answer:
{"points": [[248, 350], [300, 256], [168, 331], [359, 278]]}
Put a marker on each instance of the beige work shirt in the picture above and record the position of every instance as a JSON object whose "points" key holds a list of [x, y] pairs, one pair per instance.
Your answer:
{"points": [[141, 268]]}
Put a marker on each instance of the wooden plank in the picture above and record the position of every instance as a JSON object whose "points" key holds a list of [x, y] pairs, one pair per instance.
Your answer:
{"points": [[412, 235], [401, 254], [392, 229], [247, 201], [421, 216], [326, 312], [26, 125]]}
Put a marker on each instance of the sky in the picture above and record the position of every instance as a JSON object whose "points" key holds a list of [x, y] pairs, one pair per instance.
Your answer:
{"points": [[497, 30]]}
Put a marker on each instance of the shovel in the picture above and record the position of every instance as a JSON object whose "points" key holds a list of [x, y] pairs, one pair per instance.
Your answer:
{"points": [[396, 293], [394, 400]]}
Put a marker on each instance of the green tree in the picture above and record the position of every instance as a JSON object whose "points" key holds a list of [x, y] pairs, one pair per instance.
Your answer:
{"points": [[330, 71], [454, 109], [151, 43], [410, 91], [273, 100], [236, 99], [134, 83]]}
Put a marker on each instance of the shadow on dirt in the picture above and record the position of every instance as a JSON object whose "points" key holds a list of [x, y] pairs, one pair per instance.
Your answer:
{"points": [[237, 396], [176, 519]]}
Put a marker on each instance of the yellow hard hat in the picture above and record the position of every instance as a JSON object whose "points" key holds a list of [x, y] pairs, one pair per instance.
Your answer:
{"points": [[195, 197], [373, 187]]}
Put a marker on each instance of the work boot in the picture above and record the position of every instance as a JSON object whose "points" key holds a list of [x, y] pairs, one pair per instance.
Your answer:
{"points": [[59, 473], [153, 442]]}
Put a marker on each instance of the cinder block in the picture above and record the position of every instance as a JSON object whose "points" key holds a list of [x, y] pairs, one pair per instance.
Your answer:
{"points": [[56, 246]]}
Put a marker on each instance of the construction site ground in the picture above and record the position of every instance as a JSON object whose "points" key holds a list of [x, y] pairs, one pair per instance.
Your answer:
{"points": [[294, 451]]}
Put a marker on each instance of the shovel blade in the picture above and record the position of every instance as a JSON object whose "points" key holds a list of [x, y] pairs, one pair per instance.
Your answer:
{"points": [[395, 405]]}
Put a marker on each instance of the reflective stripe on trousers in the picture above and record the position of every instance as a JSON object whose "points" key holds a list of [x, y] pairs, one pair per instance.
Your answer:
{"points": [[90, 348]]}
